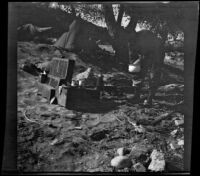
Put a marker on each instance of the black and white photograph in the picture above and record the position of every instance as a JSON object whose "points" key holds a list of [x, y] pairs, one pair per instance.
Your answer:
{"points": [[103, 86]]}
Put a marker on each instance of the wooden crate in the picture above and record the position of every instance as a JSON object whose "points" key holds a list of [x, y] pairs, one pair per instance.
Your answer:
{"points": [[74, 96], [46, 91], [62, 68], [61, 71]]}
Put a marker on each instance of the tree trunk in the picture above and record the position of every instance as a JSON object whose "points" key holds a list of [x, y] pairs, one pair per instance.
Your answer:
{"points": [[118, 34], [120, 45], [120, 15], [110, 20], [132, 25]]}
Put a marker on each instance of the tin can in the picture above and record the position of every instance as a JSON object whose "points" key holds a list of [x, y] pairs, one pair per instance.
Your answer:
{"points": [[43, 77]]}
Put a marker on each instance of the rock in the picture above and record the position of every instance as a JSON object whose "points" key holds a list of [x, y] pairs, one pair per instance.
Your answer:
{"points": [[157, 161], [173, 133], [121, 162], [122, 151], [157, 155], [180, 142], [139, 167], [179, 122], [173, 145], [157, 165]]}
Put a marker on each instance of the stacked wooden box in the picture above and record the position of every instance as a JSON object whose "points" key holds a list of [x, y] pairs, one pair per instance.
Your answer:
{"points": [[61, 71], [58, 85]]}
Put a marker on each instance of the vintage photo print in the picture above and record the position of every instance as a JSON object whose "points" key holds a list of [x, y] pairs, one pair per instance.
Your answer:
{"points": [[100, 87]]}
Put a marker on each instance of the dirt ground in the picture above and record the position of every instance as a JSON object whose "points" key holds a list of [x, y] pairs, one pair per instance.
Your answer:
{"points": [[60, 139]]}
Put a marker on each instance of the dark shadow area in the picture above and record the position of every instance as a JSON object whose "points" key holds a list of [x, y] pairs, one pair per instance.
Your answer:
{"points": [[178, 107], [170, 98], [94, 106], [31, 68]]}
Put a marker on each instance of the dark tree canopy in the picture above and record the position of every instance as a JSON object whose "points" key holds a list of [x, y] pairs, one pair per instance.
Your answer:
{"points": [[121, 20]]}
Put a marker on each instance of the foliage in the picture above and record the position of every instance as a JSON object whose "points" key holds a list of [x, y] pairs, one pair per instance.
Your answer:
{"points": [[162, 21]]}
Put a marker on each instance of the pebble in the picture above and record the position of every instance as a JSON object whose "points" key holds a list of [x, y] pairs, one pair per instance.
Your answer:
{"points": [[158, 163], [121, 162], [145, 102], [139, 167], [78, 128], [179, 122], [181, 142], [70, 115]]}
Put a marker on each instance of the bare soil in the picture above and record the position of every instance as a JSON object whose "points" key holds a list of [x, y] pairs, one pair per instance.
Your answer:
{"points": [[59, 139]]}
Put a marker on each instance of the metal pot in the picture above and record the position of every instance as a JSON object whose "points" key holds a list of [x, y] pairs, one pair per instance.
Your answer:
{"points": [[135, 67]]}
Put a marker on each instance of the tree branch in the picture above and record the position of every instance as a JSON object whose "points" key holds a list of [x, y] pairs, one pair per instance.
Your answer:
{"points": [[109, 19], [120, 15]]}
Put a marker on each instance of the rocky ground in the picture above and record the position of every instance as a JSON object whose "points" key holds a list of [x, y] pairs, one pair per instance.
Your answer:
{"points": [[53, 138]]}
